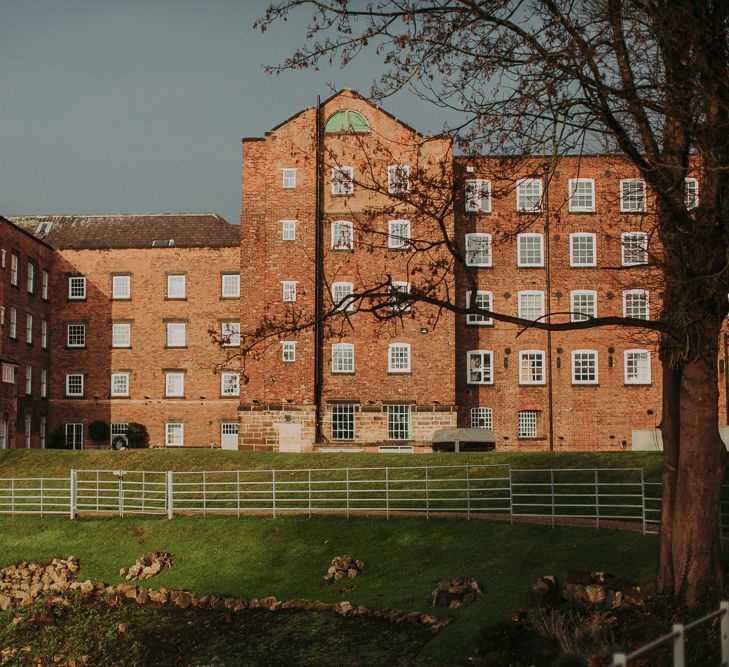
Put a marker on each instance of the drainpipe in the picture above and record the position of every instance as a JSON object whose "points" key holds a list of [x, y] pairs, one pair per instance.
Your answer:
{"points": [[548, 276], [726, 375], [318, 276]]}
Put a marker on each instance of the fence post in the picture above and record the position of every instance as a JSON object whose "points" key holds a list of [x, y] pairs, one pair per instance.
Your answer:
{"points": [[427, 496], [310, 493], [170, 510], [72, 495], [468, 490], [273, 492], [41, 499], [724, 606], [237, 490], [12, 496], [121, 493], [511, 497], [387, 492], [551, 492], [347, 480], [679, 653], [642, 495], [205, 493], [597, 499]]}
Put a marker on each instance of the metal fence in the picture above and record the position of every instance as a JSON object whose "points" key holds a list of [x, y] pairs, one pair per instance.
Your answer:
{"points": [[677, 640], [596, 495]]}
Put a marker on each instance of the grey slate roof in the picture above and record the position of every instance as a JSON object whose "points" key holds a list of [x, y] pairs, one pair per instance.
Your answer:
{"points": [[142, 230]]}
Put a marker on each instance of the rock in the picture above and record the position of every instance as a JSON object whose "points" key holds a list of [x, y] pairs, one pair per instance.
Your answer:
{"points": [[613, 599], [123, 628], [352, 573], [360, 564], [142, 596], [240, 604], [455, 604], [595, 593], [413, 617], [457, 589], [344, 608], [443, 586], [254, 603], [441, 599], [5, 602], [183, 600]]}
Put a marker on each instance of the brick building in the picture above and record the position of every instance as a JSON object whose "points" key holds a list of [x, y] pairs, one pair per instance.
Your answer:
{"points": [[345, 212]]}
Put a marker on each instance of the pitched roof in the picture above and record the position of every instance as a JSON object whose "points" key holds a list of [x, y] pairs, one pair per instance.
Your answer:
{"points": [[143, 230]]}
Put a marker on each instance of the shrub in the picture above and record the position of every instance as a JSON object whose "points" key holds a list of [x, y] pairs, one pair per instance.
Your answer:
{"points": [[57, 440], [137, 436], [99, 431]]}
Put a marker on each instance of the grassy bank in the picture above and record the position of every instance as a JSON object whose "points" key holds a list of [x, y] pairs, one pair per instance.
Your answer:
{"points": [[50, 463], [287, 557]]}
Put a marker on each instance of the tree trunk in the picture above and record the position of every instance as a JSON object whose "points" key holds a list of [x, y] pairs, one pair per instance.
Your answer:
{"points": [[695, 541], [670, 430]]}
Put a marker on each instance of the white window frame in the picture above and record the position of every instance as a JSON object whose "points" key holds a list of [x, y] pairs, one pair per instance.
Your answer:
{"points": [[624, 206], [593, 354], [526, 370], [485, 416], [399, 421], [72, 379], [398, 234], [486, 371], [44, 334], [574, 184], [74, 435], [116, 336], [482, 254], [342, 303], [342, 235], [480, 320], [403, 287], [13, 316], [14, 260], [575, 314], [76, 288], [176, 334], [30, 278], [28, 379], [288, 291], [573, 240], [288, 351], [627, 240], [398, 179], [288, 178], [393, 356], [342, 353], [75, 332], [343, 180], [9, 373], [478, 196], [44, 383], [45, 279], [521, 423], [229, 383], [174, 384], [29, 328], [119, 385], [634, 292], [174, 434], [288, 230], [344, 421], [522, 238], [521, 196], [28, 430], [691, 193], [522, 309], [230, 285], [176, 286], [644, 379], [230, 334], [42, 432], [121, 287]]}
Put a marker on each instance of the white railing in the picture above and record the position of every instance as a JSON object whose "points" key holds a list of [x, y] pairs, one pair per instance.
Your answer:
{"points": [[677, 639], [590, 495]]}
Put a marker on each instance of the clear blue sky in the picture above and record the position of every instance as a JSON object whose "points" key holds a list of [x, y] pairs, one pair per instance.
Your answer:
{"points": [[139, 105]]}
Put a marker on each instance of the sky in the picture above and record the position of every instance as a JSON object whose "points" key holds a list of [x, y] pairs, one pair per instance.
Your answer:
{"points": [[137, 106]]}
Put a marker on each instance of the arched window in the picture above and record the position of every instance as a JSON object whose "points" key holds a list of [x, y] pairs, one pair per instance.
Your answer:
{"points": [[347, 121]]}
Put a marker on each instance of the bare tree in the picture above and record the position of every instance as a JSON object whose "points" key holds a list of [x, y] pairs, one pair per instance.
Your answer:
{"points": [[648, 79]]}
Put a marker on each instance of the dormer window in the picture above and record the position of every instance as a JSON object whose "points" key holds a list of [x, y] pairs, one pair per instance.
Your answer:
{"points": [[347, 121]]}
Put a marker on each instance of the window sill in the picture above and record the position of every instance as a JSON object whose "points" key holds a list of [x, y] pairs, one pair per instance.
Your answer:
{"points": [[479, 266], [396, 373], [175, 298], [179, 398], [120, 347], [121, 298], [637, 384], [175, 347], [236, 396], [230, 298], [126, 396], [335, 373], [531, 437], [75, 347], [71, 398], [585, 384]]}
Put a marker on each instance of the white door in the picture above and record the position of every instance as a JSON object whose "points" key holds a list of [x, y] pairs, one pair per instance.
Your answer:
{"points": [[229, 435], [289, 437]]}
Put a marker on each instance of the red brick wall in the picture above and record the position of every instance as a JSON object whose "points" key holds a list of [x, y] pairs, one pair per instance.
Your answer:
{"points": [[15, 404], [202, 409]]}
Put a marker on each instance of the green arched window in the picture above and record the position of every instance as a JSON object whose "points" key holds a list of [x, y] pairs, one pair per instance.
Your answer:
{"points": [[347, 121]]}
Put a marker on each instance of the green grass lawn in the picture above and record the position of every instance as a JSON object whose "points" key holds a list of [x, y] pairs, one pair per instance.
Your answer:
{"points": [[287, 557], [50, 463]]}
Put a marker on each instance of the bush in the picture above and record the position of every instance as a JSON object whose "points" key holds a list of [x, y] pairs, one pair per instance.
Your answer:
{"points": [[137, 436], [99, 431], [57, 440]]}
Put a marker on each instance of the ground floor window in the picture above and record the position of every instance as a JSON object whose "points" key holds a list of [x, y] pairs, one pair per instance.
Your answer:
{"points": [[343, 421], [528, 423], [482, 418], [229, 435], [42, 431], [74, 436], [118, 437], [28, 427], [174, 434], [398, 422], [3, 433]]}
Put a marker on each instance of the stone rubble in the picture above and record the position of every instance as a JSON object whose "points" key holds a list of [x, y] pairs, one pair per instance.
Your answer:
{"points": [[23, 583], [456, 593], [147, 566], [343, 567]]}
